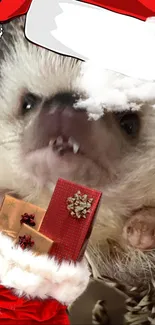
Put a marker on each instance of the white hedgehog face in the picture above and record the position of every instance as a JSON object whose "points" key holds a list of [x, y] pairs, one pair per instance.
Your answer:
{"points": [[43, 137]]}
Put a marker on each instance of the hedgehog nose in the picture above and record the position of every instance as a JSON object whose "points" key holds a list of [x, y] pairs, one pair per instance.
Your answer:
{"points": [[64, 118]]}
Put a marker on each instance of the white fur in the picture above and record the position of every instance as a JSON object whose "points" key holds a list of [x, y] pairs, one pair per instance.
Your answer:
{"points": [[40, 276]]}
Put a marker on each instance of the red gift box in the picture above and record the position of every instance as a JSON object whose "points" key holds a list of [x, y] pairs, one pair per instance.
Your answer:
{"points": [[69, 233]]}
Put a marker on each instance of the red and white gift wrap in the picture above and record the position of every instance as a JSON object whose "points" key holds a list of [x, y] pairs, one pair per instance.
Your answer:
{"points": [[37, 288]]}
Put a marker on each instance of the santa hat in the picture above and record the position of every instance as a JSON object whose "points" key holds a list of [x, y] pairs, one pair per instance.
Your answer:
{"points": [[90, 32], [119, 49], [116, 39]]}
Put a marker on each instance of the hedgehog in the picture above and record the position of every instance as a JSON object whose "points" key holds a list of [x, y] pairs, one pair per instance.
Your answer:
{"points": [[47, 103]]}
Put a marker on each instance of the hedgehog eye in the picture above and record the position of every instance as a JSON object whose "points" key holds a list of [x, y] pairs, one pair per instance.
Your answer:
{"points": [[129, 122], [29, 102]]}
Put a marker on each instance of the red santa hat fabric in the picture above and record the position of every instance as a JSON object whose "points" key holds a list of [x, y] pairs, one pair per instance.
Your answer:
{"points": [[17, 311], [141, 9], [87, 30]]}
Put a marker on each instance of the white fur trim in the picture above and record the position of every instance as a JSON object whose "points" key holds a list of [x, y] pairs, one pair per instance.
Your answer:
{"points": [[116, 48], [40, 276], [112, 91]]}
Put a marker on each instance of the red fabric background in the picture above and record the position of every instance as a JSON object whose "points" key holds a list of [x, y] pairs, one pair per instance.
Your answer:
{"points": [[20, 311]]}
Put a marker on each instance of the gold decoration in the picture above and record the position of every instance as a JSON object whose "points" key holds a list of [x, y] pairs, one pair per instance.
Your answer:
{"points": [[11, 204], [79, 205]]}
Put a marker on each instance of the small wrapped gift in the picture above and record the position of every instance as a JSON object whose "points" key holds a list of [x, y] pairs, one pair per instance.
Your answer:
{"points": [[30, 238], [61, 231], [15, 212]]}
